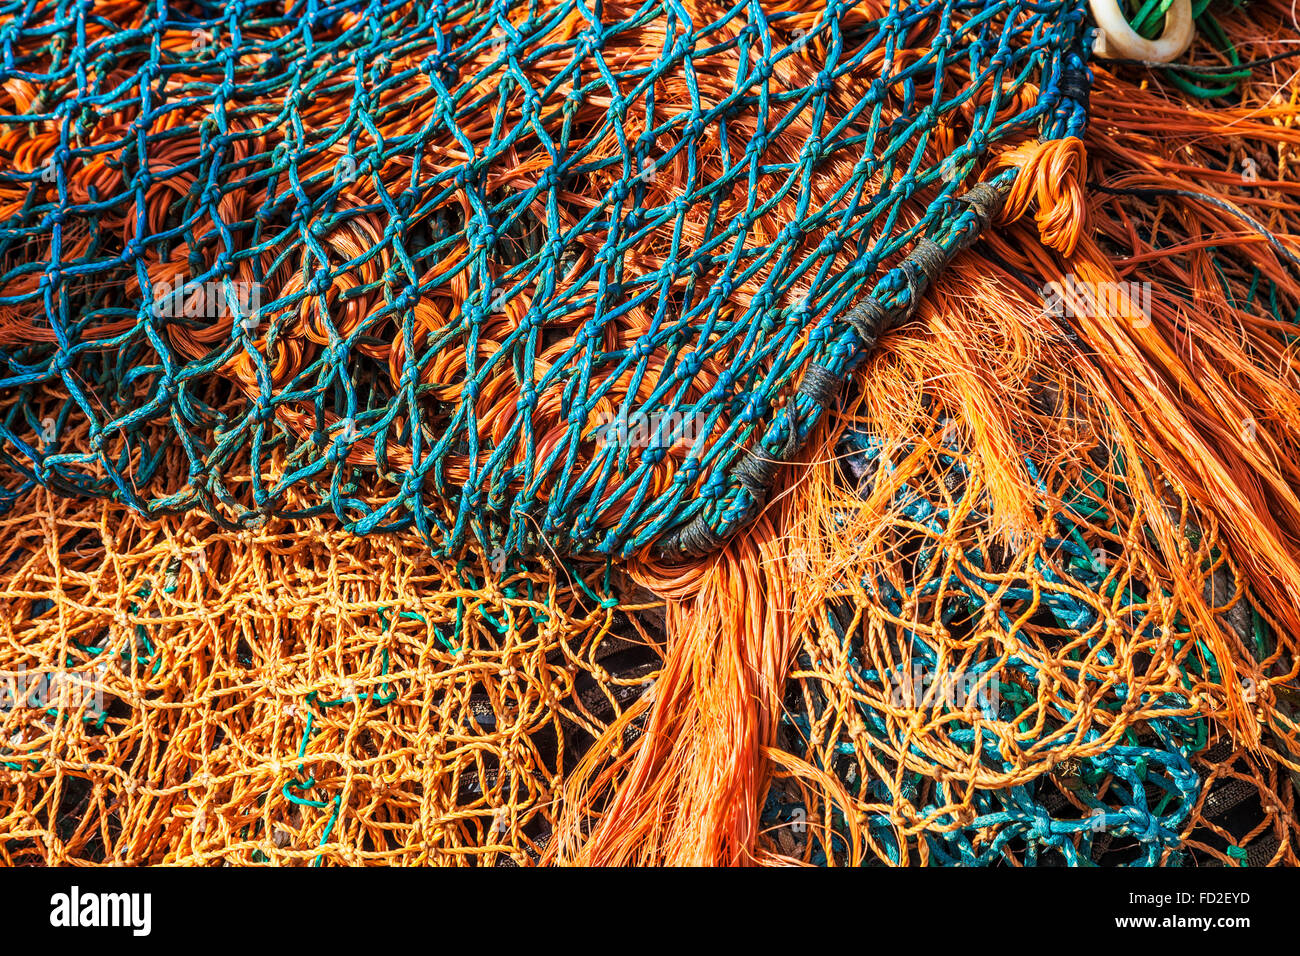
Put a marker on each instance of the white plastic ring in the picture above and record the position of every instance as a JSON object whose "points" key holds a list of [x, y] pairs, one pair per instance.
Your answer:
{"points": [[1118, 41]]}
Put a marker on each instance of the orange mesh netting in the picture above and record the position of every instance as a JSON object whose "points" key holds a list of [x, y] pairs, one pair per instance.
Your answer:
{"points": [[1031, 595], [290, 696], [1074, 498], [1049, 573]]}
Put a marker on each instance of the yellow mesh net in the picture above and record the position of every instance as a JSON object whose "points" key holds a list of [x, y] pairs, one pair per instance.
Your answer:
{"points": [[193, 695]]}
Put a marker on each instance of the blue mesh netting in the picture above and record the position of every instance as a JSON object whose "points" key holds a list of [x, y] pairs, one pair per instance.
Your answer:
{"points": [[407, 262]]}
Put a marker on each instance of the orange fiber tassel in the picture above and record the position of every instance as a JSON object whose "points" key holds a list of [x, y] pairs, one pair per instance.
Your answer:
{"points": [[690, 790]]}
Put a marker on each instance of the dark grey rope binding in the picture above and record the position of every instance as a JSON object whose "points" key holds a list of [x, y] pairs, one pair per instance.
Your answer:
{"points": [[1076, 84], [870, 319]]}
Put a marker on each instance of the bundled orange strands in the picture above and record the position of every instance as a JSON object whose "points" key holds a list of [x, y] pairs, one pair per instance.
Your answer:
{"points": [[1083, 363], [973, 687], [1052, 618], [689, 793], [1029, 593]]}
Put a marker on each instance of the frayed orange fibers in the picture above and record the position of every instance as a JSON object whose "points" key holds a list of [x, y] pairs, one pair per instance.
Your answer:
{"points": [[1197, 392]]}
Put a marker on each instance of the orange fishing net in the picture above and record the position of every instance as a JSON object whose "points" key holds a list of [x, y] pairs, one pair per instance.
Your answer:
{"points": [[1075, 497], [291, 696], [963, 693], [1029, 597], [264, 698]]}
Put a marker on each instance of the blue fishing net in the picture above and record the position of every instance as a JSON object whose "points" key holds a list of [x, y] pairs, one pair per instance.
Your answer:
{"points": [[579, 273]]}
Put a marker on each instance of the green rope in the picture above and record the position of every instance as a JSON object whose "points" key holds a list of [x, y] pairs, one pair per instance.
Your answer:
{"points": [[1148, 20]]}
